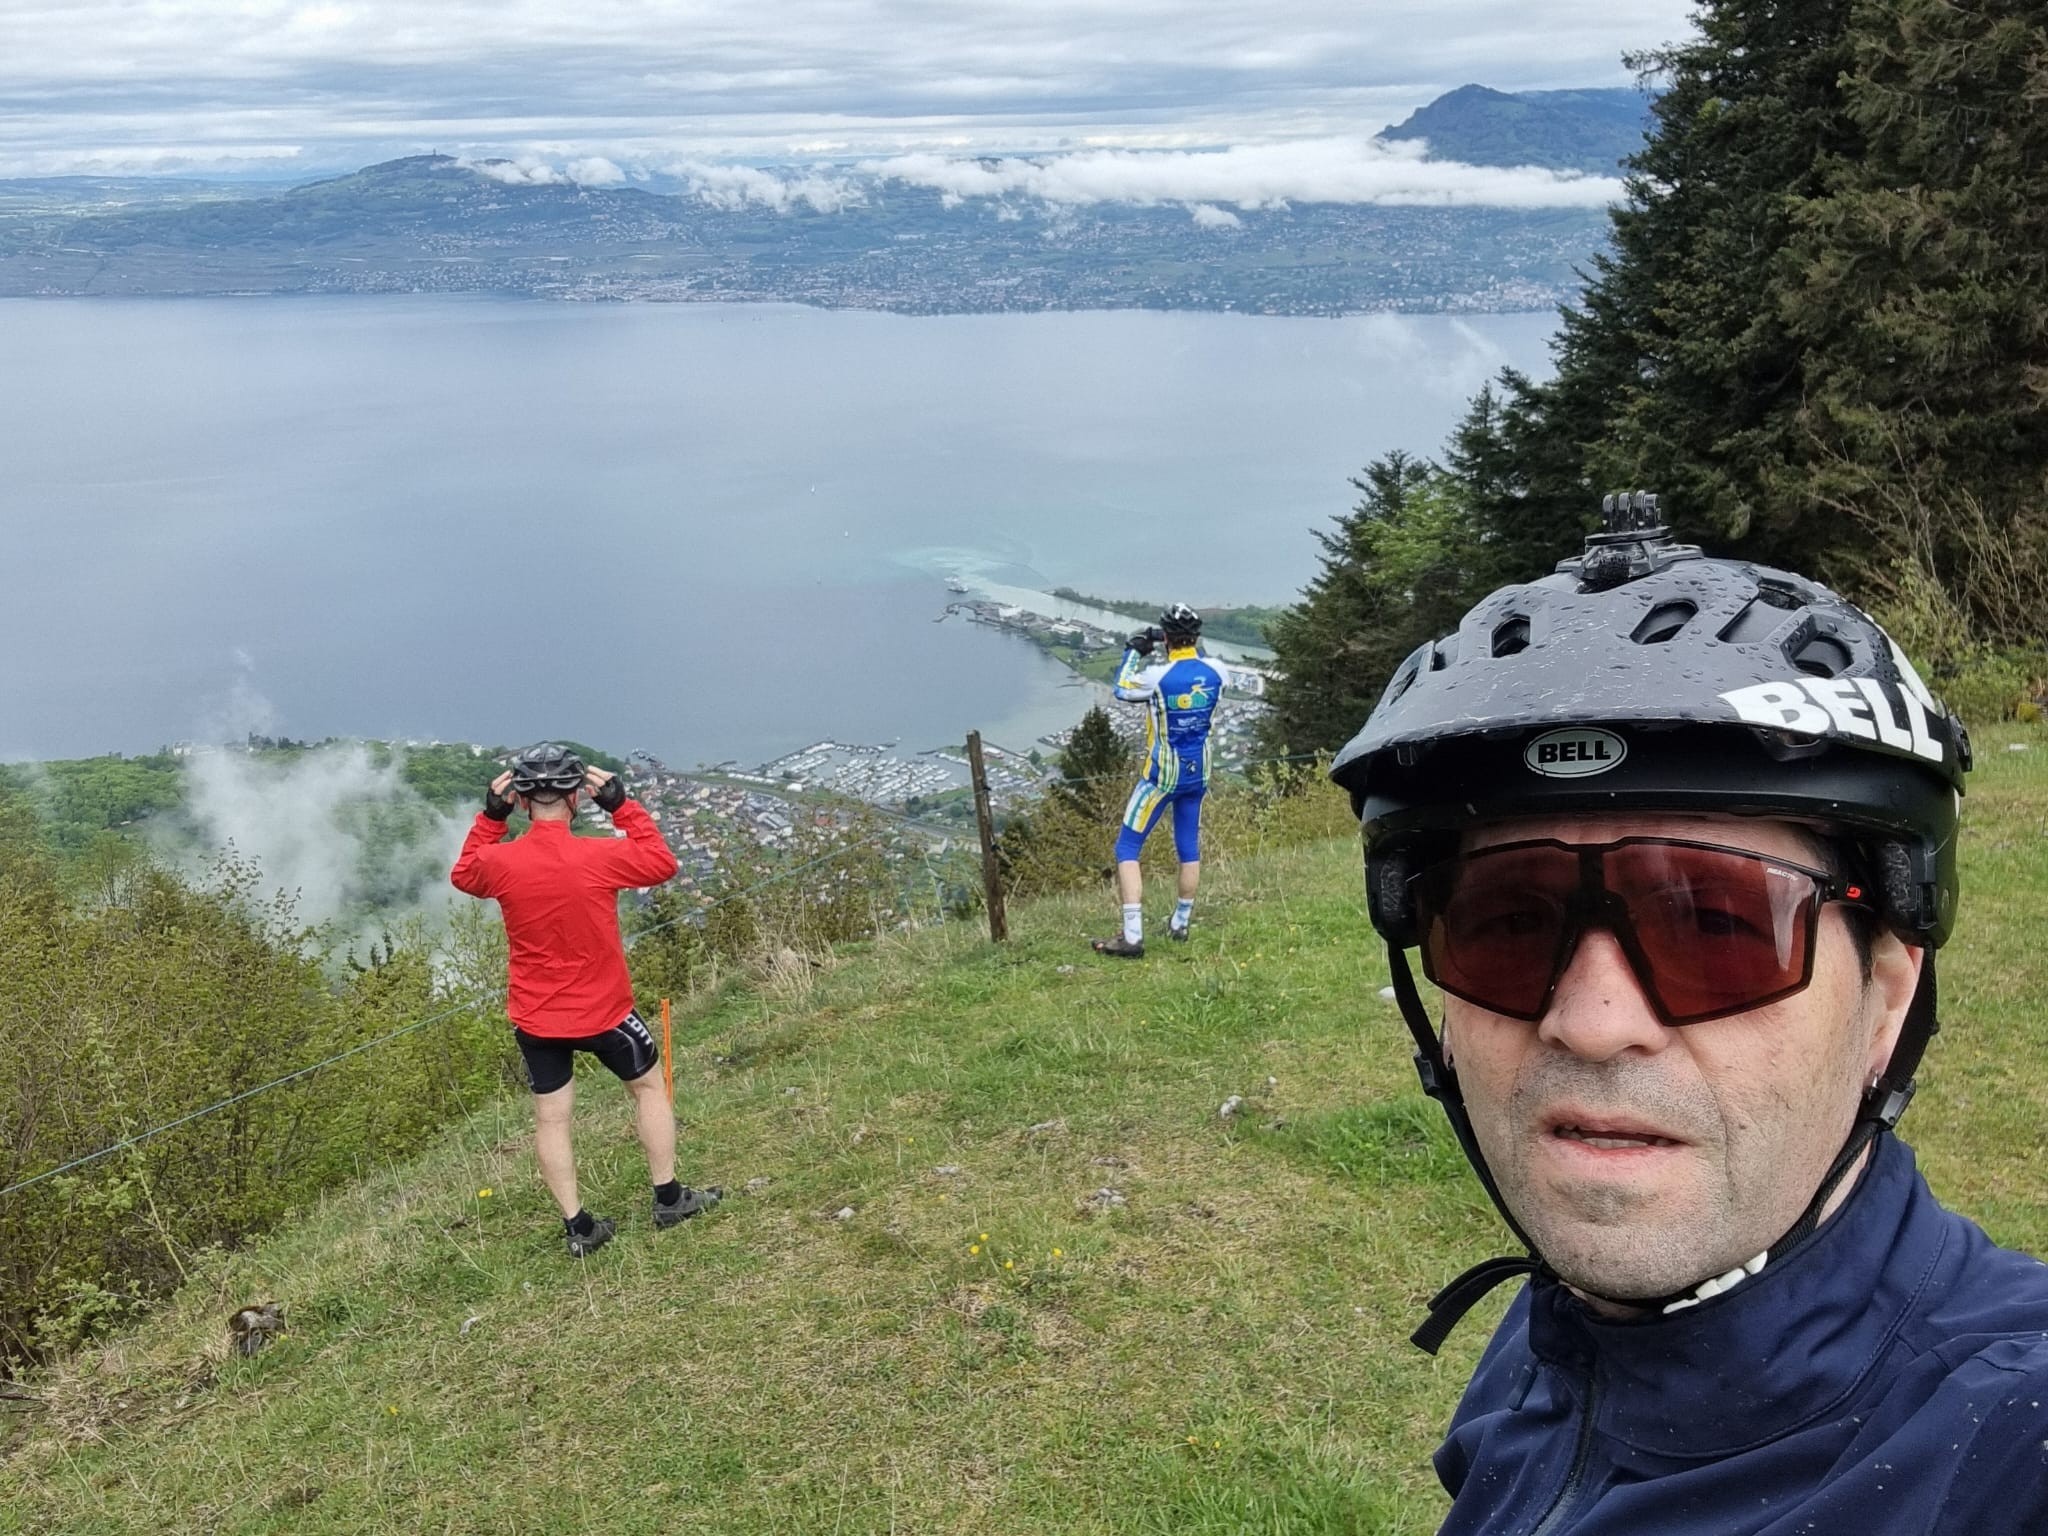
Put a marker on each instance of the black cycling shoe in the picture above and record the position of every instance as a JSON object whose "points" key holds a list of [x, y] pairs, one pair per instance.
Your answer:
{"points": [[1177, 932], [1119, 946], [691, 1202], [583, 1244]]}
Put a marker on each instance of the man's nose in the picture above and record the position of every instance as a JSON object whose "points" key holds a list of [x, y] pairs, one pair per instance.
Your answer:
{"points": [[1598, 1010]]}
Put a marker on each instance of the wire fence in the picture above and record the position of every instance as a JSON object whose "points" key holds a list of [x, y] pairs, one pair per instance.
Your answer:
{"points": [[460, 1005], [472, 1000]]}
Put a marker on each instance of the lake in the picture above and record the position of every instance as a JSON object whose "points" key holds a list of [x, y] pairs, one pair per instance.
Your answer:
{"points": [[714, 532]]}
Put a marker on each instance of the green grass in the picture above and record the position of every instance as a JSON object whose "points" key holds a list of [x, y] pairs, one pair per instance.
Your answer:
{"points": [[1225, 1351]]}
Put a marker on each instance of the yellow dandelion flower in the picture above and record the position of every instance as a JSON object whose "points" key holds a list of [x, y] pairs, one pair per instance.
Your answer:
{"points": [[391, 1408], [1009, 1263], [984, 1237], [483, 1194], [1056, 1253], [1215, 1445], [974, 1247]]}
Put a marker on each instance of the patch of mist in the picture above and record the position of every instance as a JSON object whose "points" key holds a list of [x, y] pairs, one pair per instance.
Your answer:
{"points": [[335, 829]]}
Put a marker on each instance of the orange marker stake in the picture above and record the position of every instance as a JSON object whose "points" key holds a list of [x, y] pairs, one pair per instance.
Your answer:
{"points": [[668, 1069]]}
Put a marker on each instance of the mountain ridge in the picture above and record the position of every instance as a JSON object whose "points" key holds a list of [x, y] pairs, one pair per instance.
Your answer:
{"points": [[1588, 130]]}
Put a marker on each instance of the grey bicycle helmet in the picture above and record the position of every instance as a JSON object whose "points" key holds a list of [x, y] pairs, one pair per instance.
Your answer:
{"points": [[1645, 675], [1181, 620], [547, 768]]}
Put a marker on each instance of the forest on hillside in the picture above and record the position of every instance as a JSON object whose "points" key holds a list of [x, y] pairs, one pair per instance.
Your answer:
{"points": [[1820, 334]]}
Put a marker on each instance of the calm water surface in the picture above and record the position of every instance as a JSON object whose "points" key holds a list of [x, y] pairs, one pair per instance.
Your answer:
{"points": [[712, 531]]}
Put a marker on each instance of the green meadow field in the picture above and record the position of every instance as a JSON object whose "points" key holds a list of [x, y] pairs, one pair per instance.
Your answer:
{"points": [[991, 1259]]}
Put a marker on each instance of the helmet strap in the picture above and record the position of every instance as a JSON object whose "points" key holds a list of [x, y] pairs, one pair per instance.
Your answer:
{"points": [[1882, 1105]]}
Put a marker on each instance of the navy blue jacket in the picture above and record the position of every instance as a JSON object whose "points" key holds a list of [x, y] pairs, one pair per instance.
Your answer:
{"points": [[1891, 1376]]}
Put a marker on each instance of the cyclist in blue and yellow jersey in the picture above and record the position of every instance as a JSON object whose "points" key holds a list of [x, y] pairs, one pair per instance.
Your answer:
{"points": [[1179, 695]]}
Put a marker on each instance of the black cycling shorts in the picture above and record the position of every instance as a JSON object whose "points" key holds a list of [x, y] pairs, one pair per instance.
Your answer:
{"points": [[627, 1049]]}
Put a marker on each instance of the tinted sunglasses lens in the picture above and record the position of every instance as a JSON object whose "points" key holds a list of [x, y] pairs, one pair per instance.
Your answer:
{"points": [[1722, 931], [1493, 922]]}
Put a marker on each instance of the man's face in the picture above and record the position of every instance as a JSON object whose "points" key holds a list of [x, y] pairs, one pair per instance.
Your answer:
{"points": [[1641, 1159]]}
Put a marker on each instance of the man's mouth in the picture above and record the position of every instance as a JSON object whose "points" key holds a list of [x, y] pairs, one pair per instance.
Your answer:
{"points": [[1607, 1135]]}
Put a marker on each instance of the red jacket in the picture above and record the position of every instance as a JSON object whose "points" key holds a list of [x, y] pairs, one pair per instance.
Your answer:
{"points": [[559, 894]]}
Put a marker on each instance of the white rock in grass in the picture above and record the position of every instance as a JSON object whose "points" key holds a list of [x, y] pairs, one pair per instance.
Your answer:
{"points": [[844, 1213], [1231, 1105], [947, 1170]]}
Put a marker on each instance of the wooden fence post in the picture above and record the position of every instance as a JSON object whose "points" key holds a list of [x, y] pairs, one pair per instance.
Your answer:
{"points": [[984, 817]]}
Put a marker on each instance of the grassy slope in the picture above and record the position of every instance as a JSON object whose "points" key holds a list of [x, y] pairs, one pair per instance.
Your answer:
{"points": [[1225, 1352]]}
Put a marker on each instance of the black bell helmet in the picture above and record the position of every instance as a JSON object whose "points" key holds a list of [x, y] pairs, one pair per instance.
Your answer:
{"points": [[547, 768], [1645, 676], [1181, 620]]}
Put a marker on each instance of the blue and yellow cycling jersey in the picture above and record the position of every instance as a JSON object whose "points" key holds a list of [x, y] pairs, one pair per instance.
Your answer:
{"points": [[1179, 695]]}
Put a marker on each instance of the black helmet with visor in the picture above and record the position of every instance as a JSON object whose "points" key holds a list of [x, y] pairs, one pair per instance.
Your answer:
{"points": [[1644, 676]]}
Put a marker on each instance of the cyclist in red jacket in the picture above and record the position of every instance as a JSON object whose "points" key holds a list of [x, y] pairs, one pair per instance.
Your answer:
{"points": [[569, 989]]}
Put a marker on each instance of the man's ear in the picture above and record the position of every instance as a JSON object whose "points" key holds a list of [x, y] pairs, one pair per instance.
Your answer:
{"points": [[1894, 978]]}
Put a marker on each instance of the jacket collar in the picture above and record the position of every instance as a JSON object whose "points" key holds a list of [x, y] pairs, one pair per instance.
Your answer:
{"points": [[1773, 1353]]}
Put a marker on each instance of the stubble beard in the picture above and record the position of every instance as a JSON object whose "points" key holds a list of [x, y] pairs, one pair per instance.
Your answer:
{"points": [[1622, 1238]]}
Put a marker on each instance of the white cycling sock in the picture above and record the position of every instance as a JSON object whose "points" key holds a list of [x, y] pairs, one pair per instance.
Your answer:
{"points": [[1182, 911], [1134, 923]]}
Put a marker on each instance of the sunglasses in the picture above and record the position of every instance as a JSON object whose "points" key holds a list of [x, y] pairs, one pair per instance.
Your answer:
{"points": [[1708, 931]]}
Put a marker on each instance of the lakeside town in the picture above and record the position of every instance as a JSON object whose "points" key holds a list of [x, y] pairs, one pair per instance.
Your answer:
{"points": [[926, 793]]}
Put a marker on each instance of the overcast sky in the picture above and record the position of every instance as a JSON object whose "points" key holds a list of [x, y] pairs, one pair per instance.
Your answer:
{"points": [[620, 87]]}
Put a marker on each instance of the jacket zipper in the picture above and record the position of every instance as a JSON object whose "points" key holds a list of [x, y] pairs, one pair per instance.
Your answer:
{"points": [[1553, 1518]]}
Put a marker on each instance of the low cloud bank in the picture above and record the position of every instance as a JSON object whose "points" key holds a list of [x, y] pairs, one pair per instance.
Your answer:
{"points": [[334, 828], [733, 187], [1252, 176], [1208, 183], [530, 171]]}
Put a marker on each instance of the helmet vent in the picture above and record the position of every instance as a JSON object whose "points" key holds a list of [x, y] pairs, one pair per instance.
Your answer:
{"points": [[1823, 656], [1664, 622], [1511, 638], [1759, 620]]}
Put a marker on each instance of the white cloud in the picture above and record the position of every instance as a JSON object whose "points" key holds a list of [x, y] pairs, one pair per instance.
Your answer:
{"points": [[1251, 176], [154, 160], [733, 187], [523, 172], [1209, 216], [306, 824], [532, 171], [594, 171]]}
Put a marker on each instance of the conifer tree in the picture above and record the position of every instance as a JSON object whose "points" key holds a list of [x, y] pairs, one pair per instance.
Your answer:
{"points": [[1398, 569], [1917, 289], [1675, 371], [1094, 764]]}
